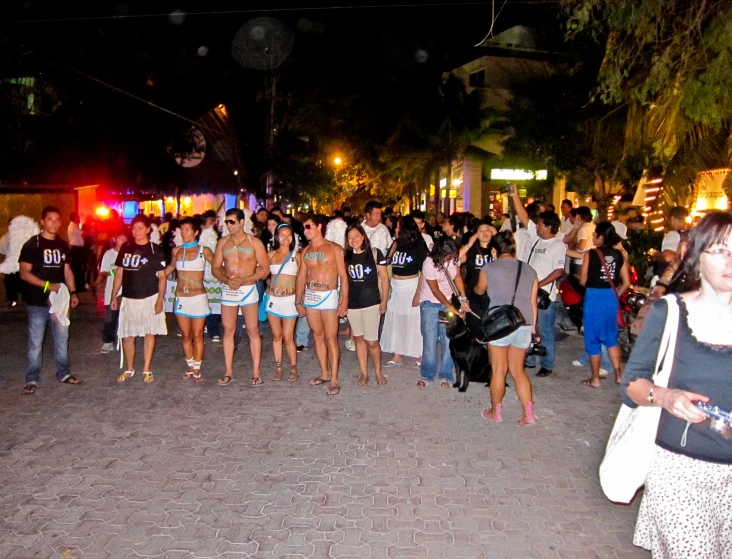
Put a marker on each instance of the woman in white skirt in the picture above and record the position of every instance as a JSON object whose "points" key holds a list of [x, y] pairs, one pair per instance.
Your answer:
{"points": [[191, 300], [401, 333], [685, 512], [141, 274], [284, 262]]}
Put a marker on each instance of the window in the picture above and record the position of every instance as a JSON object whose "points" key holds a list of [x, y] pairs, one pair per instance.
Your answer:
{"points": [[477, 79]]}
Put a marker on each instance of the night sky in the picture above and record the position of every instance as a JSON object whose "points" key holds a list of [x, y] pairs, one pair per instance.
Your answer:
{"points": [[386, 57]]}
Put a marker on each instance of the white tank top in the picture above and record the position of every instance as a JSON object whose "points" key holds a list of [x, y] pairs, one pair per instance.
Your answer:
{"points": [[290, 268], [198, 264]]}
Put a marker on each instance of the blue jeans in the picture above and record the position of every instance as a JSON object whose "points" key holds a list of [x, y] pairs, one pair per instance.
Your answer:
{"points": [[302, 331], [38, 318], [111, 320], [432, 332], [546, 321], [213, 325]]}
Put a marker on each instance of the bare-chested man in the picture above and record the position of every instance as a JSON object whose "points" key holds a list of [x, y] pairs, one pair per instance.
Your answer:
{"points": [[238, 263], [317, 295]]}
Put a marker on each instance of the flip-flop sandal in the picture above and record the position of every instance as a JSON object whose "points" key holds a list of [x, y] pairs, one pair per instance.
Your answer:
{"points": [[380, 380], [445, 384], [390, 364], [588, 382], [226, 379], [334, 390], [148, 378], [257, 381], [363, 381], [127, 375], [318, 381], [71, 379], [29, 389], [422, 383]]}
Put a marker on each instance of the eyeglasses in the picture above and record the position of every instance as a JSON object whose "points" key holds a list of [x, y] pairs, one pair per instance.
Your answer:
{"points": [[720, 252], [230, 221]]}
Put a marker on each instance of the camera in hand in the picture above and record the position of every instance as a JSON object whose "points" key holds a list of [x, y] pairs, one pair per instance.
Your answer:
{"points": [[507, 189], [535, 348], [719, 420]]}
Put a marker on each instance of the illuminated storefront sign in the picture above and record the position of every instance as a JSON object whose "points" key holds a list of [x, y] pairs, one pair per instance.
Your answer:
{"points": [[518, 175], [710, 190]]}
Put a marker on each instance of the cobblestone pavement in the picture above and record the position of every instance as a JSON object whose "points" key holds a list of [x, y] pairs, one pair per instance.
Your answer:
{"points": [[180, 470]]}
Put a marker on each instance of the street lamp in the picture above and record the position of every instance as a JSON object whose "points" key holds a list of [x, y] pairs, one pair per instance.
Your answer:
{"points": [[337, 160]]}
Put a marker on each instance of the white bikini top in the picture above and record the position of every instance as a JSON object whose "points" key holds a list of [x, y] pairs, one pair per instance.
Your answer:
{"points": [[290, 268], [198, 264]]}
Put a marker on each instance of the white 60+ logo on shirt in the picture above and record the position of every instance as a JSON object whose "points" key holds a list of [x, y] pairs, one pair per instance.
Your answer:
{"points": [[132, 260], [358, 271], [53, 256]]}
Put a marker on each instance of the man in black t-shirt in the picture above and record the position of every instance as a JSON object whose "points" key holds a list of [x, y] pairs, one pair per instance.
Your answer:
{"points": [[44, 267]]}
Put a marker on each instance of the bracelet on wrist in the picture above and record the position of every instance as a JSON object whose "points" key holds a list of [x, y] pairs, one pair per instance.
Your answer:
{"points": [[650, 395], [662, 284], [45, 287]]}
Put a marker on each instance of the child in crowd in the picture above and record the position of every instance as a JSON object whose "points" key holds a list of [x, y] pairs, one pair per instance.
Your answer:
{"points": [[106, 270]]}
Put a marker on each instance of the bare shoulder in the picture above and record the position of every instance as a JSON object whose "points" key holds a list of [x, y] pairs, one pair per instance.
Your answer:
{"points": [[256, 241]]}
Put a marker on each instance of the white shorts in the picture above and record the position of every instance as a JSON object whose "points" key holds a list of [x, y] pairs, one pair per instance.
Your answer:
{"points": [[243, 297], [192, 307], [321, 300], [284, 307]]}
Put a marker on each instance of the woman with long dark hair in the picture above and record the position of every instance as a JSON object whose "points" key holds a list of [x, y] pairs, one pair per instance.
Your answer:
{"points": [[406, 255], [366, 268], [435, 295], [685, 511], [475, 254], [284, 262], [603, 268]]}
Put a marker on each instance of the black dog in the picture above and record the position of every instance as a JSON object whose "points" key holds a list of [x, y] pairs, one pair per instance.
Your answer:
{"points": [[469, 356]]}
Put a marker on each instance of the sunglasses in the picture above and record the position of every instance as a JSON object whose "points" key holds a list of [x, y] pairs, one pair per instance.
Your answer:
{"points": [[230, 221], [310, 226]]}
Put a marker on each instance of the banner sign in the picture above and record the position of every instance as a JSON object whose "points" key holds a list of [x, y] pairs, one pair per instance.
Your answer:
{"points": [[710, 190], [213, 290]]}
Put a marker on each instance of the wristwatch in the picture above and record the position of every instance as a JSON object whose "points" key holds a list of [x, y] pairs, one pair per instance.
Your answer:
{"points": [[298, 303], [73, 293], [650, 395]]}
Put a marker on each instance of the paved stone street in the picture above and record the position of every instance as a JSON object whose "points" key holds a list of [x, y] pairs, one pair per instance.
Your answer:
{"points": [[180, 470]]}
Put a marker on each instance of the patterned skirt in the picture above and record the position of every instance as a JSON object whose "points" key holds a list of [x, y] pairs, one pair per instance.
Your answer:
{"points": [[686, 511]]}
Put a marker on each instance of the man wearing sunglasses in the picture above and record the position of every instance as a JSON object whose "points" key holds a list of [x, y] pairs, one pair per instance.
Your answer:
{"points": [[317, 296], [238, 263]]}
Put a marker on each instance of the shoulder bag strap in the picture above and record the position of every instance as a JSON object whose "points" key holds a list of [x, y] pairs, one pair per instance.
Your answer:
{"points": [[518, 278], [289, 255], [532, 251], [450, 281], [607, 272], [666, 351]]}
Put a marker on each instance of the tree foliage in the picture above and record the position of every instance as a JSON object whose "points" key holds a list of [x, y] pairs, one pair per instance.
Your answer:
{"points": [[667, 60]]}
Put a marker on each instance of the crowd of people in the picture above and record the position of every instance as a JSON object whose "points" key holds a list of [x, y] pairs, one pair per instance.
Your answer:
{"points": [[389, 277]]}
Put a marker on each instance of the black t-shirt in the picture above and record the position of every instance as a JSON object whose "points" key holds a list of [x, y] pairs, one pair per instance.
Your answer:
{"points": [[409, 262], [48, 259], [475, 259], [363, 279], [140, 263], [596, 277]]}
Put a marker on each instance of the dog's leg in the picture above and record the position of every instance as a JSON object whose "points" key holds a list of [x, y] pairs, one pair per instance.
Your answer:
{"points": [[456, 370], [465, 381]]}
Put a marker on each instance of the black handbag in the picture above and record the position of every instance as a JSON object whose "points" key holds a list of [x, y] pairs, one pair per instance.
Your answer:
{"points": [[503, 320]]}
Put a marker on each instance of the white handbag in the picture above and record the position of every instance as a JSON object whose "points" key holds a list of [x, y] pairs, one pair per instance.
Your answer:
{"points": [[630, 450]]}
